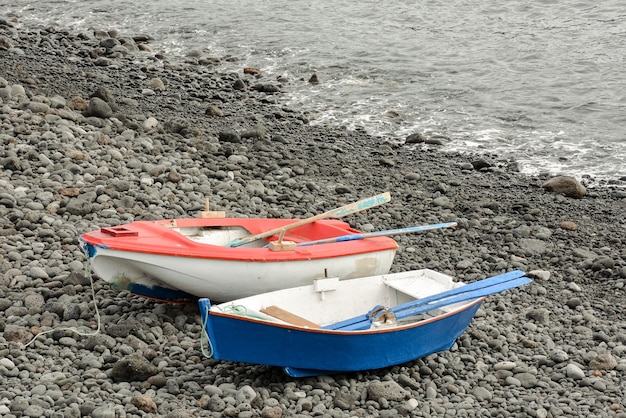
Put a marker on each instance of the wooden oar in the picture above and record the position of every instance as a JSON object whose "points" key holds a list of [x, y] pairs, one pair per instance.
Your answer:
{"points": [[353, 237], [346, 210], [470, 287]]}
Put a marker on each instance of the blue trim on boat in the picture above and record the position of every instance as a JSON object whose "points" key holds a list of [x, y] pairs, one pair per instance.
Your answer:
{"points": [[161, 293], [91, 249]]}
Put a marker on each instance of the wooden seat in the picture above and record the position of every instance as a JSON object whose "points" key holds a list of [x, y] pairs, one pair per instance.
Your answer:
{"points": [[416, 286], [289, 317]]}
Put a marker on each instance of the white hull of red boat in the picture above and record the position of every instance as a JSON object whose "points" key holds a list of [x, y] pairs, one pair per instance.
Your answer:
{"points": [[225, 280]]}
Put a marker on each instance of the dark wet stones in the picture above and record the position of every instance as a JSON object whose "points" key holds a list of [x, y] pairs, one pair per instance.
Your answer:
{"points": [[239, 85], [481, 164], [266, 88]]}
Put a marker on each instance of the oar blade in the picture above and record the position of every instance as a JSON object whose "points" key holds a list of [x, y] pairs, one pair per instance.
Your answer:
{"points": [[480, 284], [359, 206], [484, 283], [476, 294]]}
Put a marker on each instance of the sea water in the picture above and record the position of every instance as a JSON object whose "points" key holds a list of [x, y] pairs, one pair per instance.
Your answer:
{"points": [[541, 82]]}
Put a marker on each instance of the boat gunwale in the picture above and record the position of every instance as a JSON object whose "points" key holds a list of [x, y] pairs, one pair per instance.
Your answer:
{"points": [[180, 245], [215, 311]]}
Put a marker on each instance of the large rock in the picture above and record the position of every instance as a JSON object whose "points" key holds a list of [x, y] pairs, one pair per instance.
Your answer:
{"points": [[566, 185], [604, 361], [99, 108], [133, 369], [15, 333], [387, 389]]}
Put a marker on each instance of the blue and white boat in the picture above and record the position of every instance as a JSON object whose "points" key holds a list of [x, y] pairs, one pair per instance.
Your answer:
{"points": [[336, 326]]}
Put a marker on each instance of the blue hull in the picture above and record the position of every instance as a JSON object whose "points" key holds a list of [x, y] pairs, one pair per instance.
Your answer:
{"points": [[162, 294], [308, 352]]}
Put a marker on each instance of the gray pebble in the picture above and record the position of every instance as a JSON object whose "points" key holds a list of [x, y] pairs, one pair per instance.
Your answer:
{"points": [[527, 380], [389, 390], [34, 411], [71, 164], [38, 273], [482, 394], [559, 356], [574, 372], [103, 412]]}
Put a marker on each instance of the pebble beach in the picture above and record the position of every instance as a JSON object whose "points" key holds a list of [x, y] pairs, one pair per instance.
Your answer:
{"points": [[97, 129]]}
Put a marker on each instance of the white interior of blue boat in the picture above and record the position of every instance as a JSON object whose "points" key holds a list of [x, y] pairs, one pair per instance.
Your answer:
{"points": [[330, 300]]}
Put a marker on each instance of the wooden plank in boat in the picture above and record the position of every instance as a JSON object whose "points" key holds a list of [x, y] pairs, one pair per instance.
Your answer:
{"points": [[208, 213], [282, 246], [287, 316]]}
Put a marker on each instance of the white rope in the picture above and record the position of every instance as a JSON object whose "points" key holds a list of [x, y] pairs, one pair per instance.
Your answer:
{"points": [[205, 341], [74, 329]]}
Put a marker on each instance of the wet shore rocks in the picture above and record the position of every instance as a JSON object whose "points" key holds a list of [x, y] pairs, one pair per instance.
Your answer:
{"points": [[98, 130]]}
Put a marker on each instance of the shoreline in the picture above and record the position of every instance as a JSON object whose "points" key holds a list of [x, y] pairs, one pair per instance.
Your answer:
{"points": [[203, 61], [167, 137]]}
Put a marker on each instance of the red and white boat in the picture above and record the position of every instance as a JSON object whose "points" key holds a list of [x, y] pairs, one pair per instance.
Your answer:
{"points": [[185, 259]]}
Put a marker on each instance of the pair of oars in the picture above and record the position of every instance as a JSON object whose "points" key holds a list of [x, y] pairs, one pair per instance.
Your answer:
{"points": [[332, 214], [476, 290]]}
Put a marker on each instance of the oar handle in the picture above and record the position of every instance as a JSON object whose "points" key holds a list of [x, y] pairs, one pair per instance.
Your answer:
{"points": [[355, 207]]}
